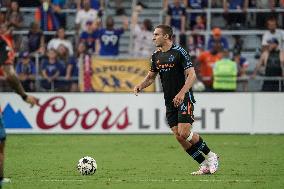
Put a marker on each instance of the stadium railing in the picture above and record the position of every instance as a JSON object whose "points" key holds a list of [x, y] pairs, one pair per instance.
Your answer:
{"points": [[240, 80], [209, 13]]}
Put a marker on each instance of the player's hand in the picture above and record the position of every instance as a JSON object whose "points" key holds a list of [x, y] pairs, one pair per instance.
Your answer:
{"points": [[137, 89], [32, 100], [178, 99]]}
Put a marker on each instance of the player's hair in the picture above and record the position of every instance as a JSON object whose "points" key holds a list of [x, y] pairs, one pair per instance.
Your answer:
{"points": [[166, 30]]}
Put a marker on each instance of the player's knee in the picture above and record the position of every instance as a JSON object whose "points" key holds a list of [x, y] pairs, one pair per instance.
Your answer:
{"points": [[179, 138], [184, 136]]}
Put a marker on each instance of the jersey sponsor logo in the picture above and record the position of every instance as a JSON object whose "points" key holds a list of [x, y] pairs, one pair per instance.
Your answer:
{"points": [[164, 67]]}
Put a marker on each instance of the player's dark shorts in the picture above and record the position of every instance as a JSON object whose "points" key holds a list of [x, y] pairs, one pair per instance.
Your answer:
{"points": [[2, 129], [182, 114]]}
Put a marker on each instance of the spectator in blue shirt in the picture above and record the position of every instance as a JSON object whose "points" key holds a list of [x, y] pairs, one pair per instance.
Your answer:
{"points": [[176, 16], [50, 69], [58, 5], [107, 43], [89, 37], [235, 20], [36, 42], [26, 71], [195, 4], [218, 38], [69, 69]]}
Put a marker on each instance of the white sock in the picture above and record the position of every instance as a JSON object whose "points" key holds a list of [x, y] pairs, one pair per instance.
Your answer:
{"points": [[210, 154]]}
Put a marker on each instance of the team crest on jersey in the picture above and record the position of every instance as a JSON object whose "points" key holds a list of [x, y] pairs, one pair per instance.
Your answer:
{"points": [[171, 58]]}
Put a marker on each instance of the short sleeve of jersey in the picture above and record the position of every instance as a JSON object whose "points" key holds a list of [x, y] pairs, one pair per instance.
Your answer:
{"points": [[185, 59], [153, 67], [3, 52]]}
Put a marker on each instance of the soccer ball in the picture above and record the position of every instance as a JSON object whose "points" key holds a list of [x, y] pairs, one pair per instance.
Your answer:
{"points": [[87, 165]]}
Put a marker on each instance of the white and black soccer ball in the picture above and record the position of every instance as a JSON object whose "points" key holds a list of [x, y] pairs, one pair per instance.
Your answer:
{"points": [[87, 165]]}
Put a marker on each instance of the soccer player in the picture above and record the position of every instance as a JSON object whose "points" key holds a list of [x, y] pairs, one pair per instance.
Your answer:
{"points": [[177, 76], [7, 56]]}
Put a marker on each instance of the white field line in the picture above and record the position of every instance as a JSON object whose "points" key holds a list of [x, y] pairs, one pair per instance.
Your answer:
{"points": [[151, 180]]}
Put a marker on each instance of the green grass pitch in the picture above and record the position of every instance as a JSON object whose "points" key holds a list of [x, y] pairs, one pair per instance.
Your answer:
{"points": [[141, 162]]}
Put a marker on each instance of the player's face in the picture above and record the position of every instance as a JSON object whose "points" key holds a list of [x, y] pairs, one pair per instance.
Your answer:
{"points": [[158, 37]]}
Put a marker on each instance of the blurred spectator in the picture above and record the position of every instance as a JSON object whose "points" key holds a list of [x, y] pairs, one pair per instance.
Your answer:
{"points": [[196, 42], [119, 8], [89, 37], [195, 4], [281, 3], [273, 32], [142, 35], [45, 16], [225, 75], [242, 65], [273, 62], [50, 69], [35, 39], [66, 61], [235, 20], [26, 71], [84, 15], [261, 16], [70, 71], [29, 3], [57, 6], [14, 19], [5, 3], [95, 4], [176, 14], [13, 15], [218, 38], [238, 45], [216, 4], [107, 43], [2, 17], [206, 61], [60, 40]]}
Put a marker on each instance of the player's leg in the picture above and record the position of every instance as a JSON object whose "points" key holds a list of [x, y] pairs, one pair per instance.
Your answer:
{"points": [[198, 144], [201, 145], [181, 133], [186, 119], [184, 131], [185, 144]]}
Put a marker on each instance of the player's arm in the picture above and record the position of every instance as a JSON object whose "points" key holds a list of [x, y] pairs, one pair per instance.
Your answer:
{"points": [[15, 84], [147, 81], [190, 79]]}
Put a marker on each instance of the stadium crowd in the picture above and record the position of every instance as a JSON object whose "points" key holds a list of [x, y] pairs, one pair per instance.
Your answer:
{"points": [[96, 33]]}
